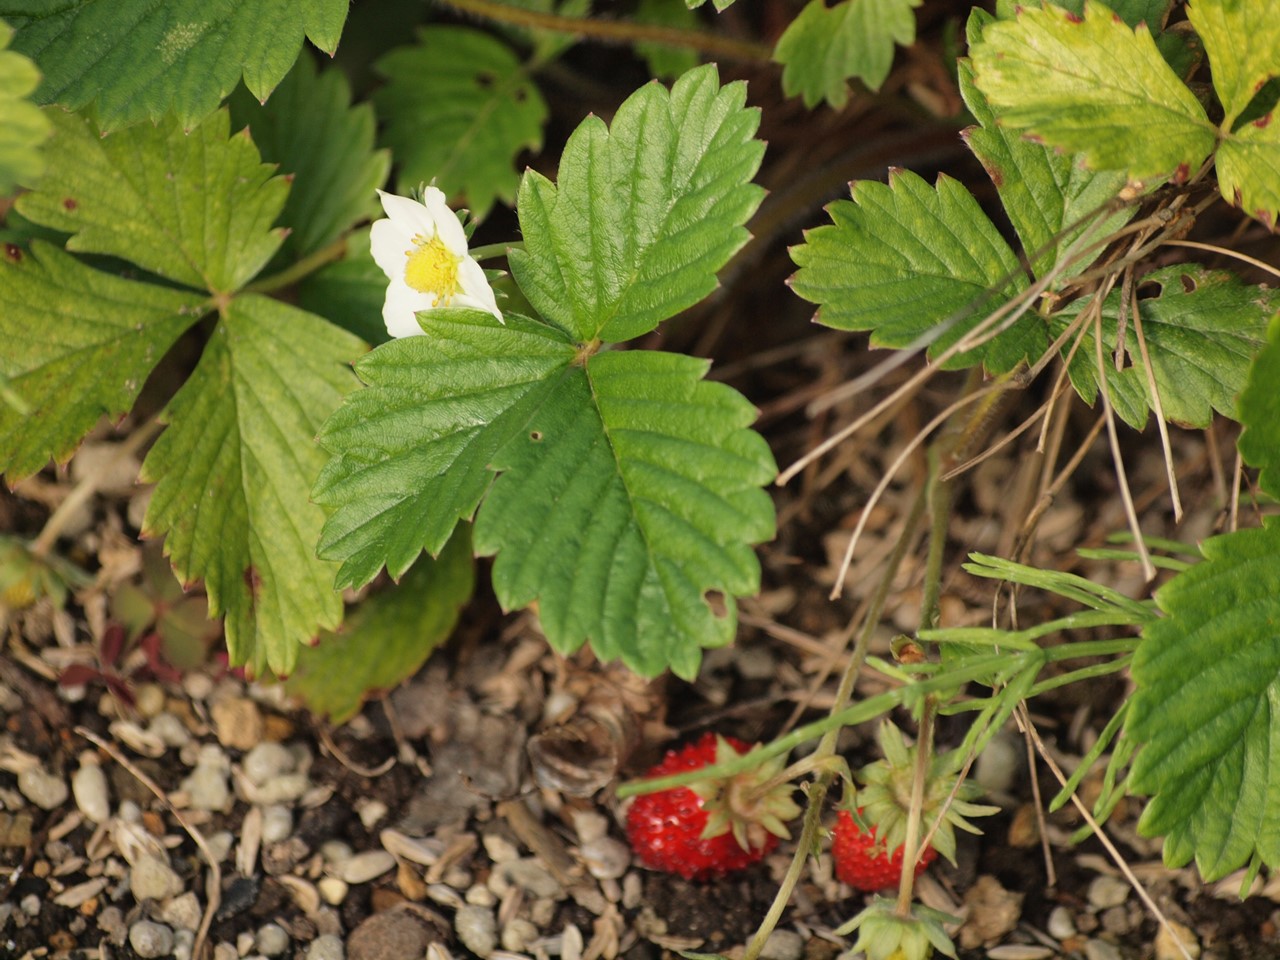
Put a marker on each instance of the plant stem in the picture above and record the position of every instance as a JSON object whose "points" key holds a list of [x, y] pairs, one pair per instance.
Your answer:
{"points": [[910, 844], [303, 268], [617, 31], [492, 251]]}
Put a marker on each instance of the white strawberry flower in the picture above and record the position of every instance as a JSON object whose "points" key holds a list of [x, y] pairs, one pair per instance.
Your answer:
{"points": [[422, 249]]}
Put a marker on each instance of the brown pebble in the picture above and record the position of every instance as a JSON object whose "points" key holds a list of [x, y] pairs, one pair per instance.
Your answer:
{"points": [[153, 822], [90, 906], [62, 940], [397, 935], [1024, 830], [277, 729], [41, 869], [237, 721], [410, 883], [383, 899]]}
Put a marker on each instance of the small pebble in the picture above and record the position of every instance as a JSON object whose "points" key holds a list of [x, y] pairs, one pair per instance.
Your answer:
{"points": [[529, 875], [42, 788], [271, 940], [332, 890], [1115, 920], [480, 895], [225, 951], [30, 905], [518, 934], [207, 787], [606, 858], [1020, 951], [499, 848], [89, 787], [283, 789], [277, 823], [149, 879], [783, 945], [393, 935], [266, 761], [182, 912], [237, 722], [169, 730], [111, 922], [477, 929], [1105, 891], [1061, 925], [1167, 946], [371, 812], [336, 852], [184, 942], [326, 947], [1100, 950], [366, 866], [148, 700], [151, 939]]}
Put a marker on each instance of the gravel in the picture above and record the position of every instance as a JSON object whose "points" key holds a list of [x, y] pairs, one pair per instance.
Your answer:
{"points": [[477, 929], [150, 939], [46, 791], [150, 879], [89, 787]]}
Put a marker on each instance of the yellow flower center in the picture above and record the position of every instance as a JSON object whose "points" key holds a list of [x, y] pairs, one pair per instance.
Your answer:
{"points": [[432, 268]]}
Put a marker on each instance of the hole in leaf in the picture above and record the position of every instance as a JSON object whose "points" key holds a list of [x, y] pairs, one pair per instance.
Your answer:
{"points": [[715, 600], [1150, 290], [1188, 283], [484, 80], [535, 435]]}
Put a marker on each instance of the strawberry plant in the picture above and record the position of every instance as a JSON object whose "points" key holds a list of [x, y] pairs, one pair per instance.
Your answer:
{"points": [[349, 384]]}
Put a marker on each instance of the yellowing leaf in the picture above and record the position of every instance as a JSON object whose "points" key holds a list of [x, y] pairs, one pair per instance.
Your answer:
{"points": [[1242, 38]]}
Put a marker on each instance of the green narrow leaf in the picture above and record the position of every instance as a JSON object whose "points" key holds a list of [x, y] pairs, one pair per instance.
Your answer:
{"points": [[632, 498], [388, 637], [459, 107], [1203, 329], [1249, 168], [79, 345], [902, 258], [310, 129], [412, 451], [824, 47], [233, 471], [25, 127], [1260, 413], [1094, 86], [196, 208], [1207, 708], [1242, 39], [142, 59], [1044, 192], [645, 212]]}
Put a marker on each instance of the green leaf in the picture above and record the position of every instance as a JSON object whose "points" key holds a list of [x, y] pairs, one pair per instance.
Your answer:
{"points": [[646, 211], [1202, 328], [412, 451], [628, 489], [25, 127], [1132, 12], [664, 60], [1045, 193], [349, 292], [79, 344], [310, 129], [1260, 413], [1093, 86], [459, 107], [233, 471], [388, 637], [825, 46], [142, 59], [1242, 39], [1207, 708], [1248, 164], [196, 208], [902, 259]]}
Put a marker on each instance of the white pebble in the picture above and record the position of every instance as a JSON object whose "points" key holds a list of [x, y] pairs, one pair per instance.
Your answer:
{"points": [[371, 812], [1061, 924], [481, 896], [267, 761], [783, 945], [207, 787], [149, 700], [518, 934], [336, 852], [169, 730], [149, 879], [151, 939], [182, 912], [225, 951], [42, 788], [1105, 891], [1100, 950], [1167, 947], [282, 789], [277, 823], [271, 940], [184, 942], [89, 787], [477, 929], [332, 890], [366, 866], [606, 858], [326, 947], [30, 905]]}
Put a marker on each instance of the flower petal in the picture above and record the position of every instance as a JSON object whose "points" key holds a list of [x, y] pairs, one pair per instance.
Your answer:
{"points": [[475, 286], [448, 226], [411, 216], [388, 243], [401, 305]]}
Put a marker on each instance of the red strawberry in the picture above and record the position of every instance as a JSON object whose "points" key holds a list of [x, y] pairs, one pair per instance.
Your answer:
{"points": [[865, 864], [714, 826]]}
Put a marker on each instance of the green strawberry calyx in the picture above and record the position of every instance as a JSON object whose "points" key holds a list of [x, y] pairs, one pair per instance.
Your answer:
{"points": [[751, 804], [886, 934]]}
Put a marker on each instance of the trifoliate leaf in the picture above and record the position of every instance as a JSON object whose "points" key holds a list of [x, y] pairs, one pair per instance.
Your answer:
{"points": [[388, 637], [349, 292], [1260, 413], [645, 212], [1202, 328], [234, 469], [310, 129], [196, 208], [1248, 163], [459, 106], [25, 126], [824, 47], [79, 344], [143, 59], [1207, 708], [1046, 194], [628, 488], [902, 259], [1242, 39], [1094, 86], [664, 60]]}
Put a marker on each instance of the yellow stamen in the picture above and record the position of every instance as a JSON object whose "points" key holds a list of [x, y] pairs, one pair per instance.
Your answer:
{"points": [[432, 268]]}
